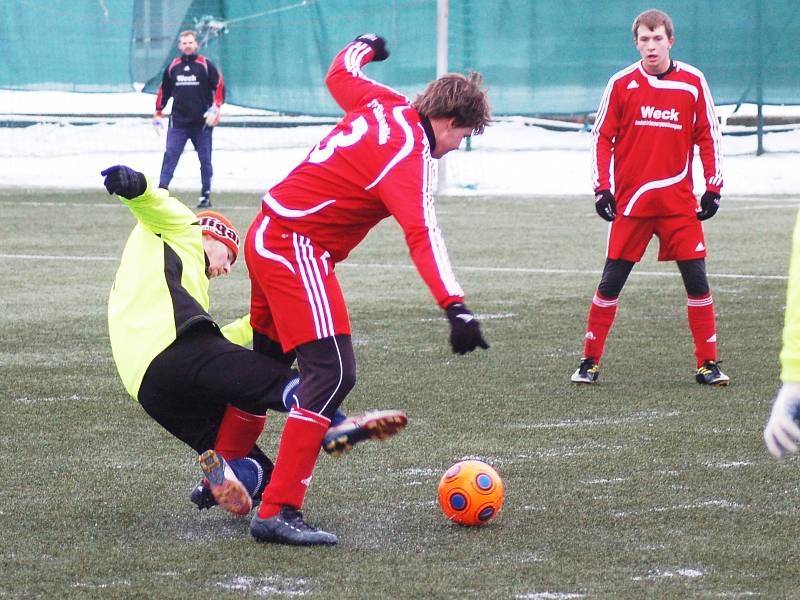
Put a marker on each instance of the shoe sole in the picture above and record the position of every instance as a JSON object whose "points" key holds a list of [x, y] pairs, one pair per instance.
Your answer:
{"points": [[230, 494], [380, 427], [714, 383], [575, 378]]}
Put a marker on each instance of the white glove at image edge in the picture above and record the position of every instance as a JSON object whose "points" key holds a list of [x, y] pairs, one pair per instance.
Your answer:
{"points": [[782, 433]]}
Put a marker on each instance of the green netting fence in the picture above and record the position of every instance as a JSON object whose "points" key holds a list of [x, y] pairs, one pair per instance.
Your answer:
{"points": [[538, 57]]}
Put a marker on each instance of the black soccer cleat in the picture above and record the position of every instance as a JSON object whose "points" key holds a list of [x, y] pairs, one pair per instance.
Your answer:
{"points": [[201, 495], [371, 425], [588, 372], [288, 527], [709, 374], [204, 201]]}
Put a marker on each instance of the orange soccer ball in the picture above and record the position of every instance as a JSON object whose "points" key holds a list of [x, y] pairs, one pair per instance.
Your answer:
{"points": [[471, 492]]}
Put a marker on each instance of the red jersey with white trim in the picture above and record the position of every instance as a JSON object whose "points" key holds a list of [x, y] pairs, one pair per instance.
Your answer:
{"points": [[375, 162], [650, 125]]}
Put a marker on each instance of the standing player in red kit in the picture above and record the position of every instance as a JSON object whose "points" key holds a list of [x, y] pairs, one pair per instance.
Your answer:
{"points": [[376, 162], [652, 115]]}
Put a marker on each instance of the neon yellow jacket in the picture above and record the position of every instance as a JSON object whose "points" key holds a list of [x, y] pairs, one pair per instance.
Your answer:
{"points": [[790, 353], [161, 287]]}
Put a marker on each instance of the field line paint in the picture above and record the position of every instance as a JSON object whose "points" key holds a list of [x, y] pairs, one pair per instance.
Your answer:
{"points": [[388, 267], [56, 257], [560, 271]]}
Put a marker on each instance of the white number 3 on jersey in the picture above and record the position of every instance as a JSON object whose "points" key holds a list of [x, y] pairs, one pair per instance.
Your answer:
{"points": [[340, 140]]}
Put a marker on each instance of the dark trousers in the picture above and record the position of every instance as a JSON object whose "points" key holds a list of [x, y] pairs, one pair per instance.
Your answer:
{"points": [[327, 374], [176, 141], [188, 386]]}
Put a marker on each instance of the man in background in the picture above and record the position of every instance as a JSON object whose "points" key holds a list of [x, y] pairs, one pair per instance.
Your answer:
{"points": [[197, 91], [651, 116]]}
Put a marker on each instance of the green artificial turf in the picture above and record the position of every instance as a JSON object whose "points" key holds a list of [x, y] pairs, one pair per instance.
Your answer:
{"points": [[646, 485]]}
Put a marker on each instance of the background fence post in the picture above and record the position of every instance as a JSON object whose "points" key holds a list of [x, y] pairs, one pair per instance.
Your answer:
{"points": [[441, 69], [759, 79]]}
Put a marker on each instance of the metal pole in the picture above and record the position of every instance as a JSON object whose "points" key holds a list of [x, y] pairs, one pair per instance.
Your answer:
{"points": [[759, 81], [466, 42], [760, 130], [442, 10], [441, 37]]}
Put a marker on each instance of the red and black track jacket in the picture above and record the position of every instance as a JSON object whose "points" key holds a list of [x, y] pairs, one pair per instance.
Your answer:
{"points": [[194, 84]]}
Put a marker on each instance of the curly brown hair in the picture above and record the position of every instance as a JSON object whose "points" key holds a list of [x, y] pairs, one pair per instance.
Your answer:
{"points": [[457, 97]]}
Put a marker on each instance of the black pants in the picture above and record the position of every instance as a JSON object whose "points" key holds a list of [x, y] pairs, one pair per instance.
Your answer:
{"points": [[616, 271], [188, 386]]}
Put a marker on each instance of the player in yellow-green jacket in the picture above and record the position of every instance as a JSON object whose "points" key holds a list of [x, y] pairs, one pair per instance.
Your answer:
{"points": [[782, 433], [191, 376], [195, 379]]}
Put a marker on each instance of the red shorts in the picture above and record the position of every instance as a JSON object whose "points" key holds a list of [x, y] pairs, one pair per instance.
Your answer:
{"points": [[680, 237], [295, 296]]}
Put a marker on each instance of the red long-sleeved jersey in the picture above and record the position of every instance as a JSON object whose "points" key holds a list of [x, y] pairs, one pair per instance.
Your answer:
{"points": [[375, 162], [650, 125]]}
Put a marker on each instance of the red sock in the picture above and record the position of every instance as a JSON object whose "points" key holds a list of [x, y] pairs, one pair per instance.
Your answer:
{"points": [[294, 465], [238, 432], [601, 317], [703, 325]]}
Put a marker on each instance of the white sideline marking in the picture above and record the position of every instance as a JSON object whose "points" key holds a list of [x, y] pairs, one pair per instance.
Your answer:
{"points": [[266, 586], [601, 481], [558, 271], [101, 586], [728, 205], [28, 400], [424, 472], [54, 257], [729, 465], [479, 316], [549, 596], [701, 504], [570, 451], [760, 207], [75, 204], [632, 418], [490, 316], [398, 267], [659, 574]]}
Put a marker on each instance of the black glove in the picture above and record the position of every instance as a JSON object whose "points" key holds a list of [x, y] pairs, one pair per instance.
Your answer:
{"points": [[709, 205], [605, 205], [465, 331], [377, 43], [124, 181]]}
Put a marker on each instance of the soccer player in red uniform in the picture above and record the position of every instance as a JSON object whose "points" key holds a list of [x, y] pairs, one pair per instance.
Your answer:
{"points": [[376, 162], [651, 116]]}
